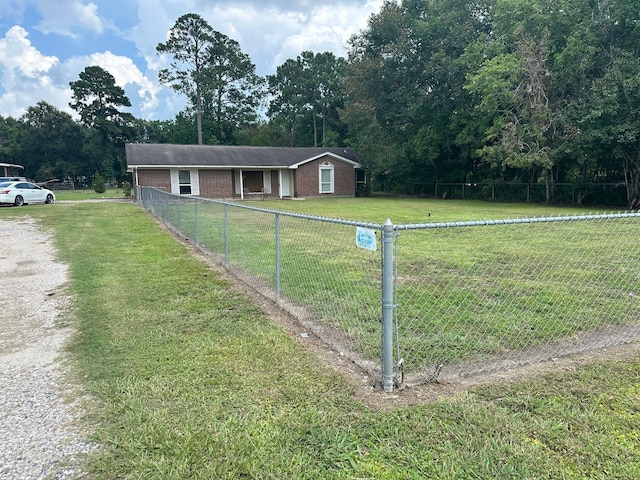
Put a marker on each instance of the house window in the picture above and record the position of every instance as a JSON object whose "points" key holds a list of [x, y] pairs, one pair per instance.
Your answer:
{"points": [[361, 182], [184, 182], [326, 178], [253, 181]]}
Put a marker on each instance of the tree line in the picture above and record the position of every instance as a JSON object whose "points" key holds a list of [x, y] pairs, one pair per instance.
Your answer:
{"points": [[431, 91]]}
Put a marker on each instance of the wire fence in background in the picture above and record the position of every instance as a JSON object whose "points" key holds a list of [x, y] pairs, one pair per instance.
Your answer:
{"points": [[434, 300], [560, 193]]}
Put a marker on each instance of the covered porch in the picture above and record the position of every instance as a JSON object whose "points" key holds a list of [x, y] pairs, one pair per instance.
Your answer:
{"points": [[259, 183]]}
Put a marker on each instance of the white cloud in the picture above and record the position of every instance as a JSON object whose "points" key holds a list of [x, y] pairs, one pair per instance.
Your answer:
{"points": [[28, 77], [18, 55], [273, 32], [269, 31], [126, 74], [24, 74], [65, 17]]}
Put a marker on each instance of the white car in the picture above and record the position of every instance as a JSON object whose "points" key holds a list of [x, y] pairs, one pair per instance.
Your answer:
{"points": [[21, 193]]}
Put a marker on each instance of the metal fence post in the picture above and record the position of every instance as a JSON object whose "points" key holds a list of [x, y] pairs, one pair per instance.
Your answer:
{"points": [[278, 256], [226, 235], [167, 209], [387, 306], [179, 218], [195, 240]]}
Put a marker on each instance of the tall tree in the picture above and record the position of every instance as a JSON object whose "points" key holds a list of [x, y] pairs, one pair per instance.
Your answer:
{"points": [[232, 90], [310, 86], [98, 100], [189, 41], [51, 143], [558, 81], [405, 80], [514, 89], [10, 130]]}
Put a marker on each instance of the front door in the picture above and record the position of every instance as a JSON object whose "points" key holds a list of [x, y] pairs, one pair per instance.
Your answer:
{"points": [[285, 183]]}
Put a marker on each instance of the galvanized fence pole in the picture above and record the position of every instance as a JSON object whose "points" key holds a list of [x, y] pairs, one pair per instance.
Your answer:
{"points": [[226, 235], [167, 208], [277, 256], [179, 202], [387, 306], [195, 240]]}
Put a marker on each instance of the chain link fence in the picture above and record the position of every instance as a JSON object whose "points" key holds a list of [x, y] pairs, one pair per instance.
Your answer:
{"points": [[477, 297], [434, 300], [559, 193], [309, 265]]}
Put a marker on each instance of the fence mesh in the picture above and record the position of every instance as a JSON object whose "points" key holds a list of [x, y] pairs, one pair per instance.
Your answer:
{"points": [[469, 297], [493, 296], [309, 265]]}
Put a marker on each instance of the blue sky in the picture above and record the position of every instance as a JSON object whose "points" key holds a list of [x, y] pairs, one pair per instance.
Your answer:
{"points": [[45, 44]]}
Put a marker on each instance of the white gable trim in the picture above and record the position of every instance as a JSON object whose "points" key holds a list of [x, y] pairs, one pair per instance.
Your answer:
{"points": [[327, 154]]}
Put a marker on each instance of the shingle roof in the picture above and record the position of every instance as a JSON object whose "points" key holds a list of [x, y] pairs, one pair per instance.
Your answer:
{"points": [[220, 156]]}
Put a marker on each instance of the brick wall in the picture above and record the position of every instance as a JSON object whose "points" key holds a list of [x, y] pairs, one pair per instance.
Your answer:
{"points": [[216, 183], [219, 183], [155, 178], [308, 178]]}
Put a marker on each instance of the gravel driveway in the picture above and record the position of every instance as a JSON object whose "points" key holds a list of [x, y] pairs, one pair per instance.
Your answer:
{"points": [[39, 429]]}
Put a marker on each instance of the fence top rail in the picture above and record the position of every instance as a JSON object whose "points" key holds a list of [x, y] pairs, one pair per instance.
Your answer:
{"points": [[352, 223], [415, 226], [513, 221]]}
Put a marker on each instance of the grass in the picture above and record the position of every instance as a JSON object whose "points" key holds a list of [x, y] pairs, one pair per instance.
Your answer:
{"points": [[87, 194], [414, 210], [501, 289], [191, 381]]}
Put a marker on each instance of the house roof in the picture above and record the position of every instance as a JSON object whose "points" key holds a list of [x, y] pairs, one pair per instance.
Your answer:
{"points": [[157, 155]]}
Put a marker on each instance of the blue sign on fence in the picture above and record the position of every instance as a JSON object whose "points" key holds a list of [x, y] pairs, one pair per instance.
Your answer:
{"points": [[366, 238]]}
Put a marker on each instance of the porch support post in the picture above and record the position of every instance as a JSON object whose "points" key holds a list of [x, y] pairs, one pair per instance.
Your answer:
{"points": [[136, 184], [241, 186]]}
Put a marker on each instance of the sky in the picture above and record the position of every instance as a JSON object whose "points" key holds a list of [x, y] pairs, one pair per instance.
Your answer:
{"points": [[45, 44]]}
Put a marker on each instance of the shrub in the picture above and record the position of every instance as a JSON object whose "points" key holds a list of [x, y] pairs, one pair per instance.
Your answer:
{"points": [[98, 184]]}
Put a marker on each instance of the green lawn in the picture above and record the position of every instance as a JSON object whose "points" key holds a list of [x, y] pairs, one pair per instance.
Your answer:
{"points": [[87, 194], [414, 210], [462, 294], [191, 381]]}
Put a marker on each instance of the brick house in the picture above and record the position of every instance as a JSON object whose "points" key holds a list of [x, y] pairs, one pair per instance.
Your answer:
{"points": [[234, 172]]}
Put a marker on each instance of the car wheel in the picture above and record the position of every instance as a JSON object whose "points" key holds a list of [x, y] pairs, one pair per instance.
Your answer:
{"points": [[18, 201], [49, 198]]}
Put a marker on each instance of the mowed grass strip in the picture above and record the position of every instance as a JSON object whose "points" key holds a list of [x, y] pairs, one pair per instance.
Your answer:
{"points": [[192, 381]]}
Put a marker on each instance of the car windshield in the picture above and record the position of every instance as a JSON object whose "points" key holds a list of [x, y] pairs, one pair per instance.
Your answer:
{"points": [[5, 184]]}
